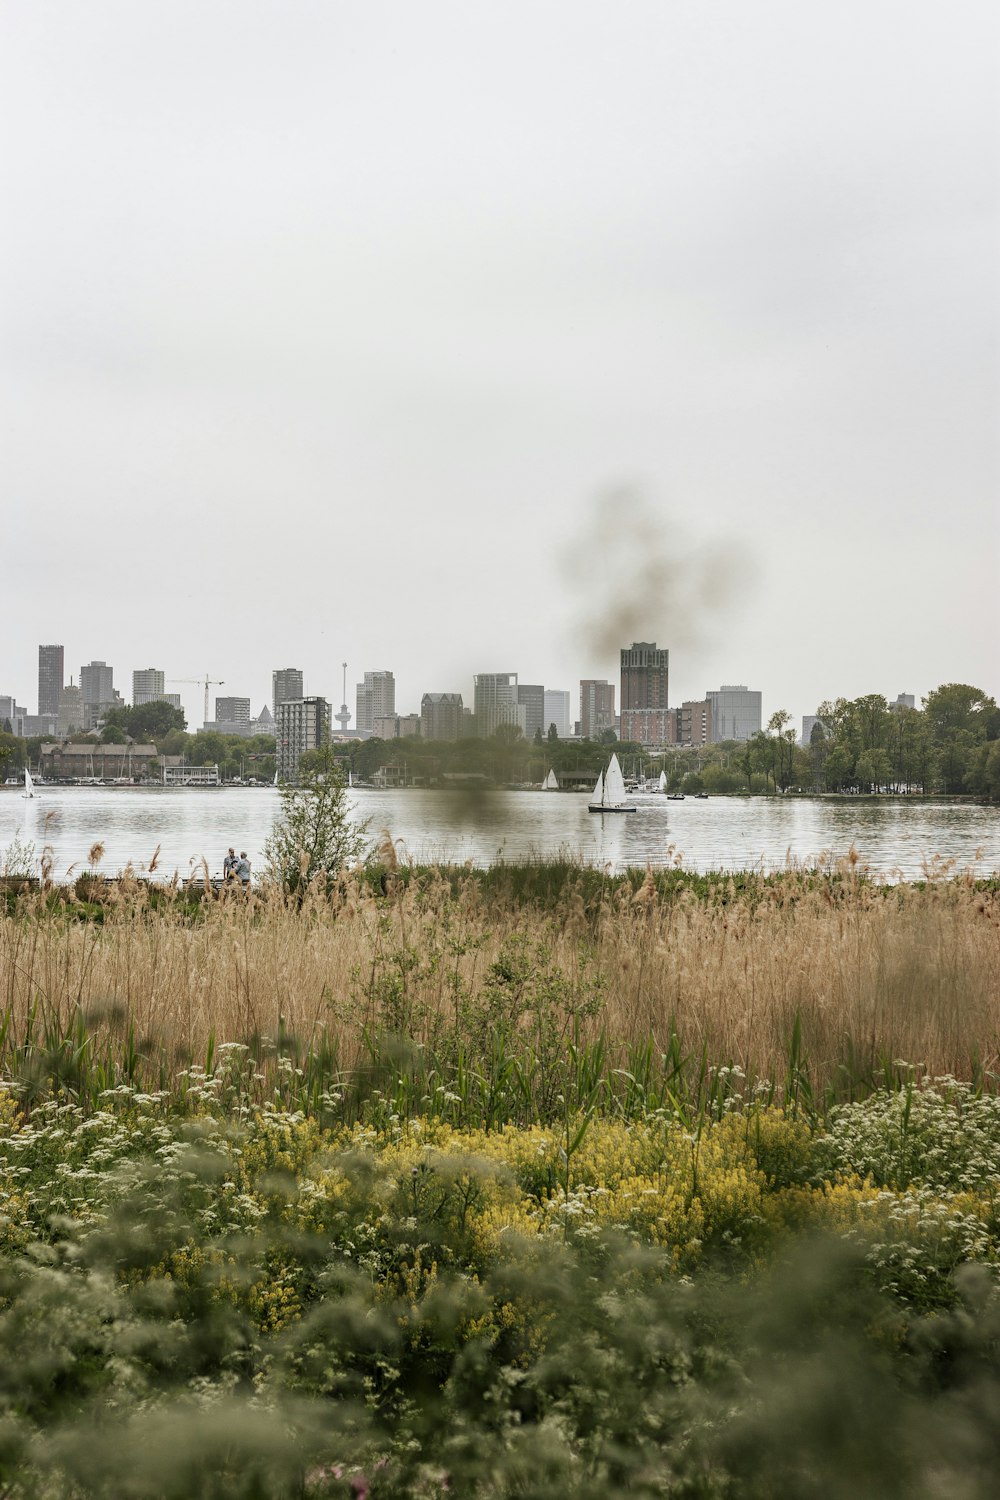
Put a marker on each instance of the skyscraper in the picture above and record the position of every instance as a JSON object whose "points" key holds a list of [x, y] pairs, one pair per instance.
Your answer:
{"points": [[597, 706], [376, 699], [50, 678], [644, 694], [286, 684], [495, 699], [531, 697], [96, 684], [148, 686], [556, 711]]}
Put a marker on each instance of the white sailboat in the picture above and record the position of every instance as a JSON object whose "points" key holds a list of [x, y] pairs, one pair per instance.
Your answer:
{"points": [[661, 785], [609, 791], [550, 784], [29, 785]]}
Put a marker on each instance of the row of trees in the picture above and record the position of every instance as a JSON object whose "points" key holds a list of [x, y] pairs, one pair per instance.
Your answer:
{"points": [[951, 745]]}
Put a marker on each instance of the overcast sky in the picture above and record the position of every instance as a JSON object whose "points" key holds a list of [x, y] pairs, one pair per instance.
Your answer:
{"points": [[466, 337]]}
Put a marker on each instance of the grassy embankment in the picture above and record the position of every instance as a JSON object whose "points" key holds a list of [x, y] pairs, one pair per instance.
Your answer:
{"points": [[517, 1183]]}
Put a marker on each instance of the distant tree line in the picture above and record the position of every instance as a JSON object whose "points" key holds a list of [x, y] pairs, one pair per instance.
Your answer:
{"points": [[949, 746]]}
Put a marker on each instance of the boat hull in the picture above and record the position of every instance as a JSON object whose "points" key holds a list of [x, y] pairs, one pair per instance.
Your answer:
{"points": [[622, 807]]}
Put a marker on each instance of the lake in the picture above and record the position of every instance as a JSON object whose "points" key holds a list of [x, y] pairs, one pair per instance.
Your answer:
{"points": [[896, 838]]}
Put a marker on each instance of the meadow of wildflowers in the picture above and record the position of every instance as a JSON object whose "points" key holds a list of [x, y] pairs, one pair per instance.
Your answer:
{"points": [[469, 1235]]}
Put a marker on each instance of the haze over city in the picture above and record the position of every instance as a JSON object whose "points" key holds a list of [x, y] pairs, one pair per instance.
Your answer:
{"points": [[451, 339]]}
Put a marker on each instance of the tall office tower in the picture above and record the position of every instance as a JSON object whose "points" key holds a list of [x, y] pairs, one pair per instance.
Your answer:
{"points": [[644, 694], [233, 711], [735, 713], [286, 684], [97, 684], [495, 699], [597, 706], [301, 724], [442, 716], [556, 711], [531, 697], [50, 678], [376, 700], [148, 686]]}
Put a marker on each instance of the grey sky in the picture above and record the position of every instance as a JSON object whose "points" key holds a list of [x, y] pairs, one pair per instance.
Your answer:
{"points": [[327, 329]]}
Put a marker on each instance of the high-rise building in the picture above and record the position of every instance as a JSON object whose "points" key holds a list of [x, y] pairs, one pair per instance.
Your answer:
{"points": [[301, 724], [694, 722], [495, 699], [97, 682], [71, 715], [376, 700], [597, 706], [233, 711], [531, 697], [442, 716], [556, 711], [286, 684], [148, 686], [644, 693], [735, 713], [50, 678]]}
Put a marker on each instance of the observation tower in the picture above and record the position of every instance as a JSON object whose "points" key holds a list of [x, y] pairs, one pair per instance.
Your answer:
{"points": [[343, 717]]}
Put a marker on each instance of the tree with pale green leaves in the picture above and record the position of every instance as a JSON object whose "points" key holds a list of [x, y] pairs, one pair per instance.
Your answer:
{"points": [[314, 835]]}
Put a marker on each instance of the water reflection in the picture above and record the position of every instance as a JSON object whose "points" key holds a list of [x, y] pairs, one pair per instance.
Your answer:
{"points": [[721, 833]]}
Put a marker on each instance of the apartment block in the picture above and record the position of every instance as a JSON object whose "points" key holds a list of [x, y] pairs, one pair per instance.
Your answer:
{"points": [[301, 724], [376, 699], [442, 716]]}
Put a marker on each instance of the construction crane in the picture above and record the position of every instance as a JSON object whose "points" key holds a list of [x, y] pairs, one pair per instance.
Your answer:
{"points": [[206, 682]]}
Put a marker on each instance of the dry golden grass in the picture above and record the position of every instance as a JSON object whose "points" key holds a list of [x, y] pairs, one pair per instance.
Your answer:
{"points": [[872, 975]]}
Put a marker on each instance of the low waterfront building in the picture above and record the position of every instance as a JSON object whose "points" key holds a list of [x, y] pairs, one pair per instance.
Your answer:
{"points": [[92, 761]]}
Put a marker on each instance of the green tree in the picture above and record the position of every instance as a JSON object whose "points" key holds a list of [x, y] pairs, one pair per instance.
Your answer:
{"points": [[147, 722], [961, 718], [11, 754], [553, 735], [313, 834]]}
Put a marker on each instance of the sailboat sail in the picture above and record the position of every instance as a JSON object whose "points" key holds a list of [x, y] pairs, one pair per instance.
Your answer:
{"points": [[661, 785], [550, 784], [598, 792], [29, 785], [614, 783]]}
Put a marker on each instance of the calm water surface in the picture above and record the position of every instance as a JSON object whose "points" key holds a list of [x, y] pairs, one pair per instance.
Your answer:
{"points": [[894, 838]]}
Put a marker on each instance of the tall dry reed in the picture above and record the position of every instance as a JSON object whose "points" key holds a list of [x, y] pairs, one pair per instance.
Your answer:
{"points": [[859, 975]]}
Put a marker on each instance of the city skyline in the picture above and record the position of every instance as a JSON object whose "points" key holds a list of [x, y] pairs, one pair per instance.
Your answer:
{"points": [[730, 711], [683, 330]]}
